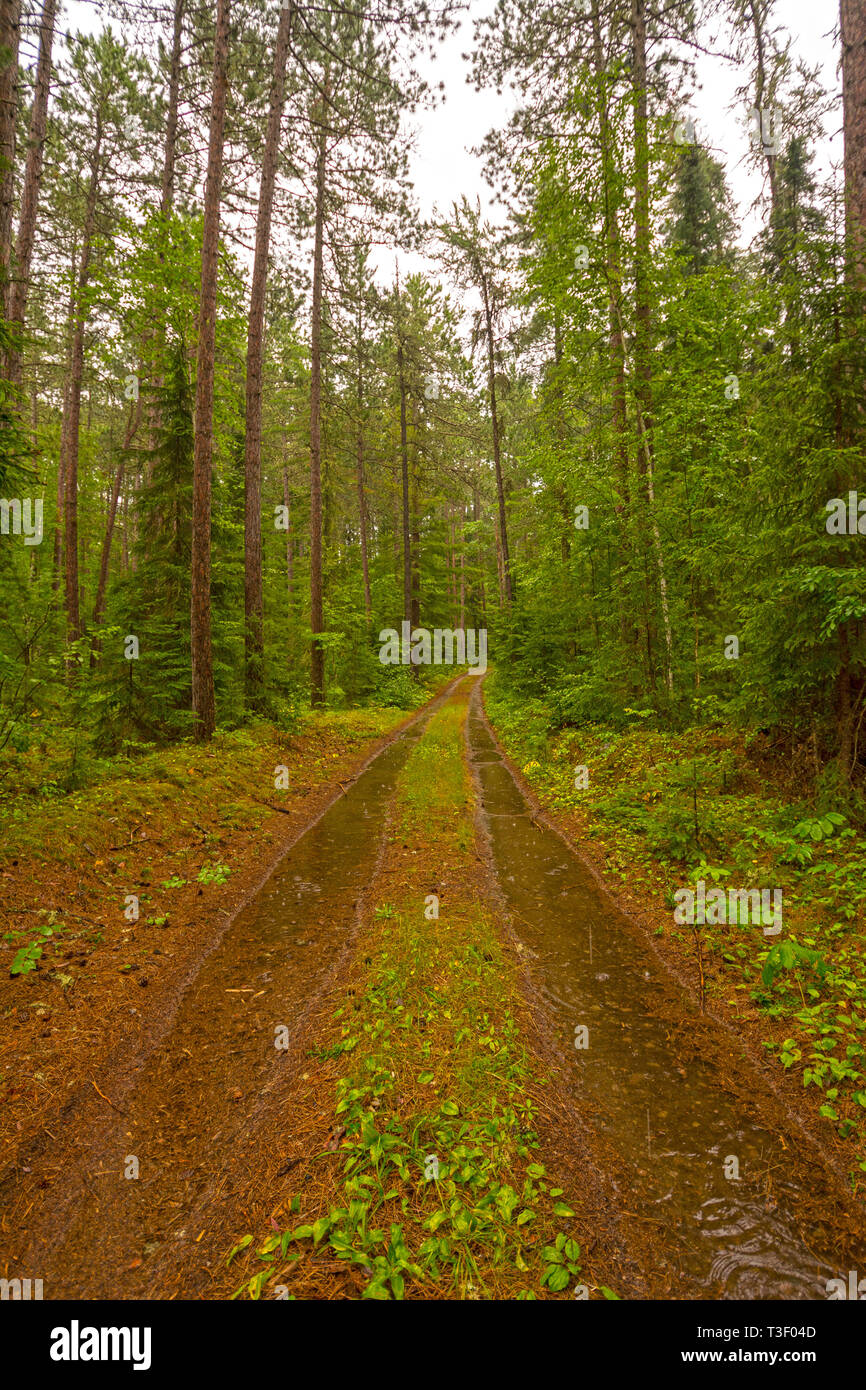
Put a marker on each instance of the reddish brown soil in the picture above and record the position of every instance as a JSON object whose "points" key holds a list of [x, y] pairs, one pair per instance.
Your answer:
{"points": [[232, 1155], [733, 1038], [55, 1039]]}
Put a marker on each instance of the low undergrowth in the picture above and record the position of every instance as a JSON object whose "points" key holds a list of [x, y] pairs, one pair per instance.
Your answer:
{"points": [[102, 885], [43, 807], [669, 810]]}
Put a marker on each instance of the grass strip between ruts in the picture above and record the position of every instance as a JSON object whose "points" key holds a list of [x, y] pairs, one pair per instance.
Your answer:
{"points": [[442, 1192]]}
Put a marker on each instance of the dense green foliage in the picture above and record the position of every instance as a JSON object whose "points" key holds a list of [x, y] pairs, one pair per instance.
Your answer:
{"points": [[610, 427]]}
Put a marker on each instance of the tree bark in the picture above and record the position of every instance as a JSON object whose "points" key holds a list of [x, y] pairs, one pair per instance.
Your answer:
{"points": [[415, 613], [559, 489], [497, 460], [10, 31], [359, 465], [253, 595], [57, 557], [57, 568], [290, 566], [166, 202], [16, 304], [643, 311], [629, 634], [317, 651], [99, 602], [844, 707], [404, 474], [154, 340], [482, 593], [852, 19], [452, 569], [203, 701], [643, 247], [760, 91], [616, 350], [72, 415], [852, 26]]}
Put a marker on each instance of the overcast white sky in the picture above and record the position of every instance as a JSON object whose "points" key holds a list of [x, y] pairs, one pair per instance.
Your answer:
{"points": [[444, 167]]}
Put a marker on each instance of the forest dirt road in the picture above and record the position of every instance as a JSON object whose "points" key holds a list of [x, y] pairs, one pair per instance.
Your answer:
{"points": [[686, 1176]]}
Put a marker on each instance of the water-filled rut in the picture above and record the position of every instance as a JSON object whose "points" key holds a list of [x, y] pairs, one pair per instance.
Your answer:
{"points": [[147, 1181], [137, 1190], [724, 1191]]}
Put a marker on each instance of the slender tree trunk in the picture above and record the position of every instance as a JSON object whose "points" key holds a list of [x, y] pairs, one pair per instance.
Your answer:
{"points": [[57, 558], [415, 614], [362, 516], [452, 570], [20, 284], [559, 489], [362, 501], [761, 84], [643, 244], [57, 567], [10, 31], [404, 466], [166, 201], [497, 459], [169, 161], [404, 474], [616, 348], [72, 416], [852, 24], [317, 621], [102, 582], [476, 514], [643, 311], [253, 597], [844, 706], [852, 17], [203, 702], [153, 347], [500, 570], [290, 565]]}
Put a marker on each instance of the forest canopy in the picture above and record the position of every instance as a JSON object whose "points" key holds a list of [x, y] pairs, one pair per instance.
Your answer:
{"points": [[606, 422]]}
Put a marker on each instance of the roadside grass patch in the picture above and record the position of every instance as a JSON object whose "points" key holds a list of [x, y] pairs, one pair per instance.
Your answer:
{"points": [[668, 809]]}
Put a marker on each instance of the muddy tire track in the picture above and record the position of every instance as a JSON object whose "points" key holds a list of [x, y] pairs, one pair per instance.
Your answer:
{"points": [[785, 1225], [193, 1103]]}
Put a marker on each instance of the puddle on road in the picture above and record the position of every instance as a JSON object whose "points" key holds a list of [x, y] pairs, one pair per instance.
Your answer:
{"points": [[208, 1082], [283, 943], [669, 1119]]}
